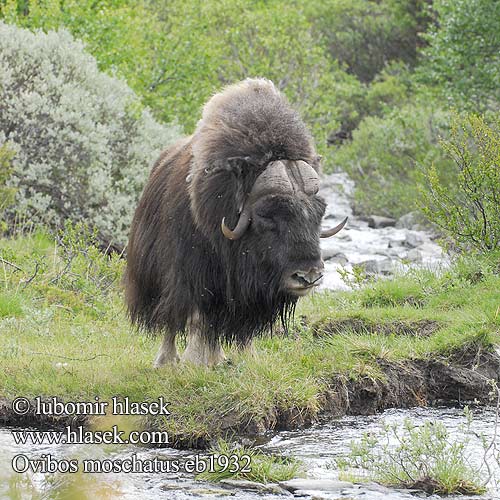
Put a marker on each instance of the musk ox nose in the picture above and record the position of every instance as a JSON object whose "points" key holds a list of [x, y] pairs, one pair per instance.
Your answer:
{"points": [[310, 277], [304, 279]]}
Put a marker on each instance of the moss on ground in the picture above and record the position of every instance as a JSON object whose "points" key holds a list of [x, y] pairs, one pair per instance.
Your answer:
{"points": [[64, 332]]}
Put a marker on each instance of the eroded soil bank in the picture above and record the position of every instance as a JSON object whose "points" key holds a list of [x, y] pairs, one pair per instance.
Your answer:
{"points": [[465, 375]]}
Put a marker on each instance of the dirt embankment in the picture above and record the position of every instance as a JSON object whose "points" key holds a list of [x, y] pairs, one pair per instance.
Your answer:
{"points": [[465, 375]]}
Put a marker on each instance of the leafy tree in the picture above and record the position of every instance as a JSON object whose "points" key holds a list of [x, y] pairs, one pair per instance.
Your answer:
{"points": [[176, 54], [470, 213], [389, 90], [123, 35], [216, 42], [365, 35], [462, 60]]}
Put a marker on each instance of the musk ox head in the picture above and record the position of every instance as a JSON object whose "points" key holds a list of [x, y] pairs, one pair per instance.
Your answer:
{"points": [[229, 225]]}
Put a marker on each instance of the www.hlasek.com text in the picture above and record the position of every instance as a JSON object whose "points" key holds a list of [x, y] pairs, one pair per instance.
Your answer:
{"points": [[79, 435]]}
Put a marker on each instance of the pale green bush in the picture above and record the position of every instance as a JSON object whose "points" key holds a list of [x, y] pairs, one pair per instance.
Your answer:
{"points": [[461, 59], [84, 142], [418, 457]]}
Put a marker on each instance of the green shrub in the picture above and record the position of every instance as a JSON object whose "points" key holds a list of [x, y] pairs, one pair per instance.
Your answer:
{"points": [[7, 193], [176, 54], [470, 214], [123, 35], [417, 457], [387, 156], [462, 59], [69, 271], [216, 42], [389, 90], [84, 143]]}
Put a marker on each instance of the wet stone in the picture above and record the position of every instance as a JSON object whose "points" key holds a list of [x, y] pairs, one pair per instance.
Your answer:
{"points": [[377, 221], [254, 486], [414, 255], [328, 485], [382, 266], [408, 221], [211, 491], [415, 239], [334, 255]]}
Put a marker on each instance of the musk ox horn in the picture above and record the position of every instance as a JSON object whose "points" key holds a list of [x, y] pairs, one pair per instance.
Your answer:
{"points": [[241, 226], [275, 179], [334, 230]]}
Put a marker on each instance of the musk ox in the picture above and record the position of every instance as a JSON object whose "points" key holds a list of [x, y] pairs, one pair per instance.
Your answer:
{"points": [[225, 238]]}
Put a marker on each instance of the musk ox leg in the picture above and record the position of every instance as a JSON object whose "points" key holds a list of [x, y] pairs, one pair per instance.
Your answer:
{"points": [[198, 350], [167, 354]]}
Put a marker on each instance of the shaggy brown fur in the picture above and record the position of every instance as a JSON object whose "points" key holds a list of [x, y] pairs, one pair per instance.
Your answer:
{"points": [[179, 262]]}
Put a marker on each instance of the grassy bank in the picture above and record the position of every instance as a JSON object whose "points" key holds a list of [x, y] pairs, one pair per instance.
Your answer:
{"points": [[64, 332]]}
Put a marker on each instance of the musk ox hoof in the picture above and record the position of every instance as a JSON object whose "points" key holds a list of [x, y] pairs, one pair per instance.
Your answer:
{"points": [[167, 354], [165, 360]]}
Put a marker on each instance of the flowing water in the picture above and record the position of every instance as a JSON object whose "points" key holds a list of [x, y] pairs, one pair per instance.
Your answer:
{"points": [[316, 448], [381, 250]]}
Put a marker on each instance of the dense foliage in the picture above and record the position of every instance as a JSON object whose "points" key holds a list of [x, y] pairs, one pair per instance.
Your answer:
{"points": [[373, 79], [366, 35], [388, 155], [462, 59], [83, 143]]}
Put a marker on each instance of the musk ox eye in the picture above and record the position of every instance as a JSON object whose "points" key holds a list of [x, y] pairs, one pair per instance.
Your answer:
{"points": [[265, 221]]}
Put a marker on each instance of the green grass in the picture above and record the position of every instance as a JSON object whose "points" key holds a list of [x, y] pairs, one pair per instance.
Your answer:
{"points": [[244, 463], [66, 334], [10, 305]]}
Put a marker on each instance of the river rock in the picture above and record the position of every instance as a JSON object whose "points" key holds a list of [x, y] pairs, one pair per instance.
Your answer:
{"points": [[378, 221], [407, 221], [415, 239], [430, 249], [382, 266], [210, 492], [414, 255], [295, 485], [343, 235], [254, 486], [427, 251], [333, 255]]}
